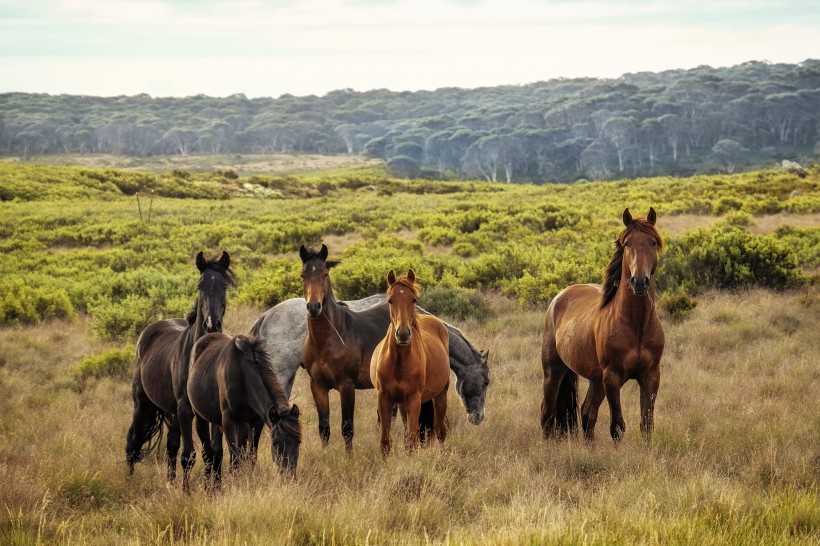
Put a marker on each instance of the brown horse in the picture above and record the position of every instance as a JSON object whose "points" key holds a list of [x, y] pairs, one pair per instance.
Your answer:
{"points": [[410, 365], [232, 386], [161, 371], [608, 334], [338, 346]]}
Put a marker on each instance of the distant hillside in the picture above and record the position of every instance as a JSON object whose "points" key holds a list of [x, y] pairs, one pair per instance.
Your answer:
{"points": [[672, 122]]}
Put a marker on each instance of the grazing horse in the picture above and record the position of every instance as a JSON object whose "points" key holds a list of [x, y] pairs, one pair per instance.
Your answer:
{"points": [[337, 350], [284, 327], [410, 365], [608, 334], [163, 354], [232, 386]]}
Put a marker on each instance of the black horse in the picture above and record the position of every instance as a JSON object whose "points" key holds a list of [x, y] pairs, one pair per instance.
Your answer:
{"points": [[161, 372], [232, 386]]}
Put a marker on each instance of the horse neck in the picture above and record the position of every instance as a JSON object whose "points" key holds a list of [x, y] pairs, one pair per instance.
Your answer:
{"points": [[261, 395], [638, 310], [331, 322]]}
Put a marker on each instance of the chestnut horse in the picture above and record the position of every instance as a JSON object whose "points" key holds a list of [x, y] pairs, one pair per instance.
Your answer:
{"points": [[161, 371], [410, 365], [607, 334], [232, 386]]}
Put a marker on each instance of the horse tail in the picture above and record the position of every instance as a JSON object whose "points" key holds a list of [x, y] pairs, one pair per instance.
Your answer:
{"points": [[146, 429], [566, 409], [257, 326]]}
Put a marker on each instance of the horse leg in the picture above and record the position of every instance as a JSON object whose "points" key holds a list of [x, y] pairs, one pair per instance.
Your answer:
{"points": [[385, 420], [203, 432], [413, 403], [589, 409], [440, 414], [320, 398], [347, 393], [172, 447], [554, 373], [612, 385], [185, 416], [649, 384], [254, 433], [427, 417], [231, 431], [216, 446]]}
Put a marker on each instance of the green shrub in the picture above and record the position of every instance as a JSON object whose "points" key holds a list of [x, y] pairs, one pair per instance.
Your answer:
{"points": [[276, 281], [454, 302], [727, 257], [118, 320], [116, 363], [677, 305], [21, 303]]}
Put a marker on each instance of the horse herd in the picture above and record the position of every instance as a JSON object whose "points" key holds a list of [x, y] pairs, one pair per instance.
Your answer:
{"points": [[189, 374]]}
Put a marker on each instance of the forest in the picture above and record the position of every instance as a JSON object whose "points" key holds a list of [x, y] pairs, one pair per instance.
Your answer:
{"points": [[676, 122]]}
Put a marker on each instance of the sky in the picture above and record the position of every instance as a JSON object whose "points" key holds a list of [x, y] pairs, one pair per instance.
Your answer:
{"points": [[310, 47]]}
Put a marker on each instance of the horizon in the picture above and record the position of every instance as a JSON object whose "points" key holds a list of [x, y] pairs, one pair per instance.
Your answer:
{"points": [[219, 48]]}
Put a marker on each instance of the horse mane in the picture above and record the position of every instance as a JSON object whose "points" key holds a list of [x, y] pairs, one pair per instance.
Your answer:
{"points": [[255, 352], [612, 273], [313, 254]]}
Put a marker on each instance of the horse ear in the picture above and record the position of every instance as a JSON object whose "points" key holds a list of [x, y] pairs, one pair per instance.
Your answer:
{"points": [[200, 262], [225, 260], [303, 253], [486, 355], [652, 217], [411, 275], [627, 217], [273, 415], [294, 411], [323, 253], [391, 277]]}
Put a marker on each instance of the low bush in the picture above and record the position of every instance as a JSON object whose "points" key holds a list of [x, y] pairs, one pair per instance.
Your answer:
{"points": [[21, 303], [728, 257], [677, 305], [454, 302], [115, 363]]}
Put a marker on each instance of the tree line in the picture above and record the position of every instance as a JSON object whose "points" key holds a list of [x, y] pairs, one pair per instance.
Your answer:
{"points": [[672, 122]]}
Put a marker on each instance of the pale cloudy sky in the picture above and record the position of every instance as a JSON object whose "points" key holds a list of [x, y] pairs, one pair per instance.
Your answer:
{"points": [[267, 48]]}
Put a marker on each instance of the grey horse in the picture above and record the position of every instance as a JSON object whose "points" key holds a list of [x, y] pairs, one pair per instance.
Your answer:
{"points": [[284, 326]]}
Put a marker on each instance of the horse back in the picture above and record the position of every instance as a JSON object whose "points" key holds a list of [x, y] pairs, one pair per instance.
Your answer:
{"points": [[157, 347], [570, 328]]}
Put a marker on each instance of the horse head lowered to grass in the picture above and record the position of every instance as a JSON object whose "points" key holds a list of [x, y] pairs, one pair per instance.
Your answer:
{"points": [[607, 334]]}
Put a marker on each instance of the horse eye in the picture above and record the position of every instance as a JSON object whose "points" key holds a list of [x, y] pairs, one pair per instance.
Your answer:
{"points": [[627, 245], [654, 243], [390, 302]]}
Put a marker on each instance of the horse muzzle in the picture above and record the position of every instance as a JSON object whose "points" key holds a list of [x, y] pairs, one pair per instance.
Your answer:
{"points": [[212, 325], [639, 285], [403, 337], [314, 308], [476, 417]]}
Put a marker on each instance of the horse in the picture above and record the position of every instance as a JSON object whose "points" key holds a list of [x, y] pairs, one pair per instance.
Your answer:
{"points": [[231, 385], [410, 365], [162, 357], [607, 334], [284, 326], [339, 343]]}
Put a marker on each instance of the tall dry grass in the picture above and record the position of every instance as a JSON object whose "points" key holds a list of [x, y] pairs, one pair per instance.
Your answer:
{"points": [[735, 457]]}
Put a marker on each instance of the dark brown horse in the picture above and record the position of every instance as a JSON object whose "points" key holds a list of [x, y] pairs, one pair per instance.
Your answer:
{"points": [[338, 346], [161, 372], [607, 334], [411, 365], [232, 386]]}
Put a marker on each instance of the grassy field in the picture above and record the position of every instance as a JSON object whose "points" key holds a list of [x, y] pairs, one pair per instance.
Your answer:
{"points": [[736, 453], [735, 457]]}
